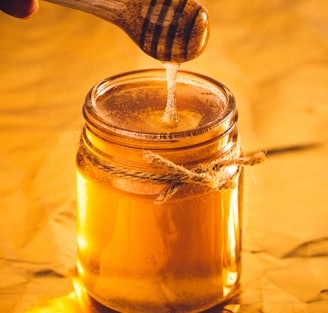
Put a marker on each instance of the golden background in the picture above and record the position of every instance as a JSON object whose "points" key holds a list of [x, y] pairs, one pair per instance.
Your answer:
{"points": [[273, 55]]}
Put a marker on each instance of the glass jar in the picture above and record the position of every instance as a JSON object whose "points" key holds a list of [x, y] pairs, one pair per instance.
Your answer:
{"points": [[159, 217]]}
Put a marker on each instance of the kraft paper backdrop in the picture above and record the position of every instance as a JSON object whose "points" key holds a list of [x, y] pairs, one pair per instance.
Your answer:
{"points": [[273, 55]]}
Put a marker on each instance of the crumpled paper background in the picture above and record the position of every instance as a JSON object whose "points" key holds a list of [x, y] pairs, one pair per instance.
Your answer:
{"points": [[273, 55]]}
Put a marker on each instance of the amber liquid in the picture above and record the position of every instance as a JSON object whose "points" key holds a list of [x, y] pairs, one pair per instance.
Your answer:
{"points": [[136, 256]]}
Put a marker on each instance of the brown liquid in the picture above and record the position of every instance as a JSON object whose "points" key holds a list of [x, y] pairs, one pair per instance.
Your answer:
{"points": [[140, 107], [135, 256]]}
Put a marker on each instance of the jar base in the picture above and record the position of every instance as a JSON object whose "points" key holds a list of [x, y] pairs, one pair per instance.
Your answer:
{"points": [[94, 306]]}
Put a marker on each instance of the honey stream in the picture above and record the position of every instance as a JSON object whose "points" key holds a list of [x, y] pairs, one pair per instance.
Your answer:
{"points": [[170, 115]]}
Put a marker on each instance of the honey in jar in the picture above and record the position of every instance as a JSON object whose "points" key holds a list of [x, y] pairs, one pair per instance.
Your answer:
{"points": [[159, 226]]}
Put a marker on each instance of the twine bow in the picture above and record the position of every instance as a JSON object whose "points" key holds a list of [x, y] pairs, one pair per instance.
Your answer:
{"points": [[214, 175]]}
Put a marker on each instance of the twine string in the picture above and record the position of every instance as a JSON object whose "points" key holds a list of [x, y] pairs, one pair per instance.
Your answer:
{"points": [[215, 174]]}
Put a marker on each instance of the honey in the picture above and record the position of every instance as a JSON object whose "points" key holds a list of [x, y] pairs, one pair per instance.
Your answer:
{"points": [[170, 115], [136, 254]]}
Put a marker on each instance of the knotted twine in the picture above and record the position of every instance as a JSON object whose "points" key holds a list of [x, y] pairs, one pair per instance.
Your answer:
{"points": [[215, 174]]}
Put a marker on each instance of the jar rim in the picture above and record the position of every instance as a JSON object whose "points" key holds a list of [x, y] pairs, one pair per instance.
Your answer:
{"points": [[217, 127]]}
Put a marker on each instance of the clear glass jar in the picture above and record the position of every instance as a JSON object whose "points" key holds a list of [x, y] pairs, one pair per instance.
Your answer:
{"points": [[151, 239]]}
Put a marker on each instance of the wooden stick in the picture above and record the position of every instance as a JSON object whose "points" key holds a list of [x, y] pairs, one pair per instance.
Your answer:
{"points": [[168, 30]]}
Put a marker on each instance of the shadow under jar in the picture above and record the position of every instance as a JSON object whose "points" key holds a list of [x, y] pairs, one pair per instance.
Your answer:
{"points": [[148, 239]]}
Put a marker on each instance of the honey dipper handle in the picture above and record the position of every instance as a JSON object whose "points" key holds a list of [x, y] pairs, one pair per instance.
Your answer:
{"points": [[107, 9], [168, 30]]}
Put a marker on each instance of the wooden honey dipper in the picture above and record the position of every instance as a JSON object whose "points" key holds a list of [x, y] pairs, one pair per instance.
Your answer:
{"points": [[168, 30]]}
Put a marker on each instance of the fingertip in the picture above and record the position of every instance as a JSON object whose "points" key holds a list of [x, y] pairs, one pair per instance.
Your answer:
{"points": [[20, 8]]}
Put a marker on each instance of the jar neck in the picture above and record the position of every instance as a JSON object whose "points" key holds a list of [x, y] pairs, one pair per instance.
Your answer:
{"points": [[111, 149]]}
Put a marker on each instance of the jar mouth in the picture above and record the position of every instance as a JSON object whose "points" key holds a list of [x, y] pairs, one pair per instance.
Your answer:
{"points": [[128, 107]]}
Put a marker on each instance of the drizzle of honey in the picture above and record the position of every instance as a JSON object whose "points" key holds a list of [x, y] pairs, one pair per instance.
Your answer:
{"points": [[170, 115]]}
